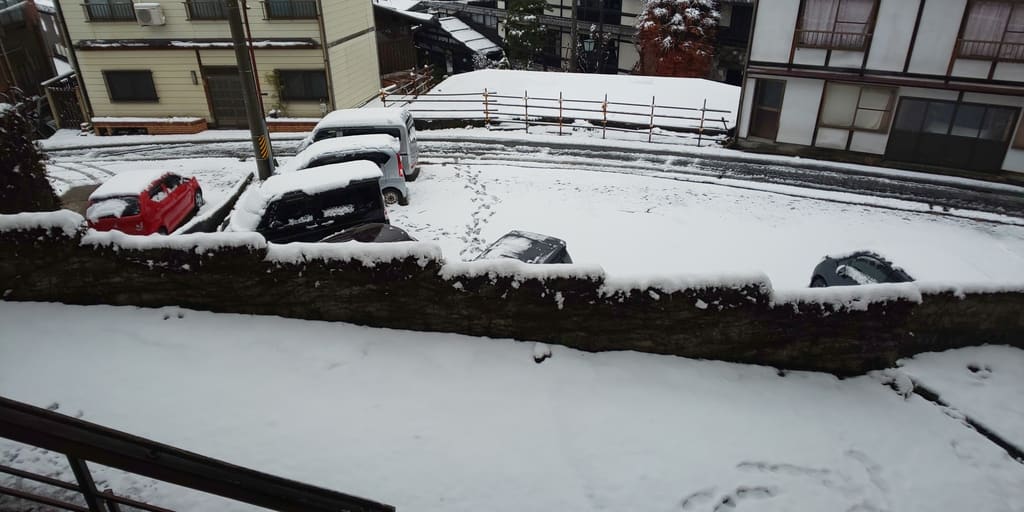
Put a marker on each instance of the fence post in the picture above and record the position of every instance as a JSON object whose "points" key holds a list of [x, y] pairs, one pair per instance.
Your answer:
{"points": [[526, 110], [650, 133], [86, 485], [487, 113], [604, 116], [700, 131], [559, 112], [383, 98]]}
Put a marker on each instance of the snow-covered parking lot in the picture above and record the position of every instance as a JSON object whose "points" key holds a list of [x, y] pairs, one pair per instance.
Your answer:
{"points": [[656, 224]]}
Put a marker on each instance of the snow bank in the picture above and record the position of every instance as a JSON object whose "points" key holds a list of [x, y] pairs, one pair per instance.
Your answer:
{"points": [[200, 243], [671, 284], [368, 254], [65, 220], [519, 271], [853, 298]]}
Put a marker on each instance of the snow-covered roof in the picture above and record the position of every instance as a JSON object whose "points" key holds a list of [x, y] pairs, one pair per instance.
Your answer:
{"points": [[253, 203], [462, 32], [377, 141], [387, 116], [404, 8], [127, 183]]}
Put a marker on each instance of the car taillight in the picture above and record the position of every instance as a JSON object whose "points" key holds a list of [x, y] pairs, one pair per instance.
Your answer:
{"points": [[401, 168]]}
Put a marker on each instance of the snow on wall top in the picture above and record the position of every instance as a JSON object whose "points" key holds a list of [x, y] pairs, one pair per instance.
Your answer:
{"points": [[675, 92], [368, 254], [519, 271], [65, 220], [397, 5], [377, 141], [855, 298], [128, 183], [254, 201], [171, 119], [385, 116], [672, 284], [197, 242], [464, 34]]}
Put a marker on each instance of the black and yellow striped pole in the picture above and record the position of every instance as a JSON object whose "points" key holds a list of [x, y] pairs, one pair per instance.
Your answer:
{"points": [[257, 124]]}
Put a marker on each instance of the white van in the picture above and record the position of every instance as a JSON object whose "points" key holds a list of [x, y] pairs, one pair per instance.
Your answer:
{"points": [[396, 122]]}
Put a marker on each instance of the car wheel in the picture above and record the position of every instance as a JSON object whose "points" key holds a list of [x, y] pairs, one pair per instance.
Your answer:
{"points": [[199, 199], [391, 196], [818, 282], [413, 175]]}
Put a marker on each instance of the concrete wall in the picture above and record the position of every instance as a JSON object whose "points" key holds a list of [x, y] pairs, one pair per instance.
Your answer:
{"points": [[844, 331], [352, 51]]}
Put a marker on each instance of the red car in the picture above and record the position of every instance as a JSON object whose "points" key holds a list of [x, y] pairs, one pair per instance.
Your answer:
{"points": [[144, 202]]}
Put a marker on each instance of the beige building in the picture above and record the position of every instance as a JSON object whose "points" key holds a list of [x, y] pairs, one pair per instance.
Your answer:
{"points": [[174, 60]]}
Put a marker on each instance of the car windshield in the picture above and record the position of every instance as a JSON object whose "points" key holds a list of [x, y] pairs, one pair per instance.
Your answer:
{"points": [[332, 206]]}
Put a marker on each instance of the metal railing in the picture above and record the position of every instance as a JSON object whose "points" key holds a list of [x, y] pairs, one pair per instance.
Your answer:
{"points": [[990, 50], [113, 11], [80, 441], [828, 39], [289, 9], [207, 9], [499, 110]]}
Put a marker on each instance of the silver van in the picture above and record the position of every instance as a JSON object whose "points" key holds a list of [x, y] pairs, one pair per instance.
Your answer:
{"points": [[383, 150], [396, 122]]}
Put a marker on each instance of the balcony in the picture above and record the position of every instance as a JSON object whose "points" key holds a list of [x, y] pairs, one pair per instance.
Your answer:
{"points": [[289, 9], [831, 40], [990, 50], [109, 11], [207, 9]]}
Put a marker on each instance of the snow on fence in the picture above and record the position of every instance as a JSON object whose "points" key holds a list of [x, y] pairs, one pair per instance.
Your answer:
{"points": [[44, 257], [498, 110]]}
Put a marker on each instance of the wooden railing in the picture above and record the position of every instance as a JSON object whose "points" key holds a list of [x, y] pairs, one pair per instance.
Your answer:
{"points": [[81, 441], [990, 50], [828, 39]]}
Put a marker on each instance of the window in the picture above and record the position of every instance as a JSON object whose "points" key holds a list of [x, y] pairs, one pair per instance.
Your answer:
{"points": [[836, 24], [857, 107], [12, 15], [207, 9], [993, 30], [290, 9], [303, 85], [110, 10], [130, 85]]}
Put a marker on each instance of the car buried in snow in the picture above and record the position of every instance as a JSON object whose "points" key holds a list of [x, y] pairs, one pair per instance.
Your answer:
{"points": [[310, 206], [527, 247], [861, 267], [144, 202], [396, 122], [381, 149]]}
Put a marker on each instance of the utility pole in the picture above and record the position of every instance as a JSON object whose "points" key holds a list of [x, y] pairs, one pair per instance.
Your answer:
{"points": [[574, 39], [253, 108]]}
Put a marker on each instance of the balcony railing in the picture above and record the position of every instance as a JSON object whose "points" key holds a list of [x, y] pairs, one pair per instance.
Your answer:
{"points": [[207, 9], [828, 39], [289, 9], [990, 50], [113, 11]]}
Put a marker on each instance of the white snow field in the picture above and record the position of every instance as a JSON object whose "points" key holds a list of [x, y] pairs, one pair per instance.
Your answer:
{"points": [[441, 422]]}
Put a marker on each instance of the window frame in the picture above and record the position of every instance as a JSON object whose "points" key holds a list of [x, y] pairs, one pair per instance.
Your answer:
{"points": [[90, 15], [1017, 54], [866, 36], [107, 73], [286, 96], [190, 10], [888, 114], [269, 11]]}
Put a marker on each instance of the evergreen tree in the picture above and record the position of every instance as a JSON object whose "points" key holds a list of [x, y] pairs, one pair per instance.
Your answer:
{"points": [[676, 37], [23, 183], [524, 34]]}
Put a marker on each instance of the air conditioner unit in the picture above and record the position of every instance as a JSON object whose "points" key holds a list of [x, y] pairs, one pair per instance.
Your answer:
{"points": [[149, 14]]}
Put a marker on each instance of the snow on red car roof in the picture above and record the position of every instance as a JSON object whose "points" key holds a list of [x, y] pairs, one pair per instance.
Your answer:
{"points": [[128, 183]]}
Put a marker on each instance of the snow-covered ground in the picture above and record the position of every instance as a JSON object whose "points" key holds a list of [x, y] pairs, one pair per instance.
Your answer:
{"points": [[449, 423]]}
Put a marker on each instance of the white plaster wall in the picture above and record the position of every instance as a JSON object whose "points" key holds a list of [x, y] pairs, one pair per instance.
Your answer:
{"points": [[994, 99], [1010, 71], [893, 30], [809, 56], [800, 110], [1014, 160], [936, 38], [773, 32], [970, 68], [932, 94], [846, 59], [748, 102], [832, 138], [869, 142]]}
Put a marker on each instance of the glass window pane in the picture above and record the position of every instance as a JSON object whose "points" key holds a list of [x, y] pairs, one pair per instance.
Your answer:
{"points": [[840, 104], [968, 120], [998, 123], [855, 11], [771, 93], [938, 117], [986, 20], [911, 115], [819, 14], [876, 98], [869, 119]]}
